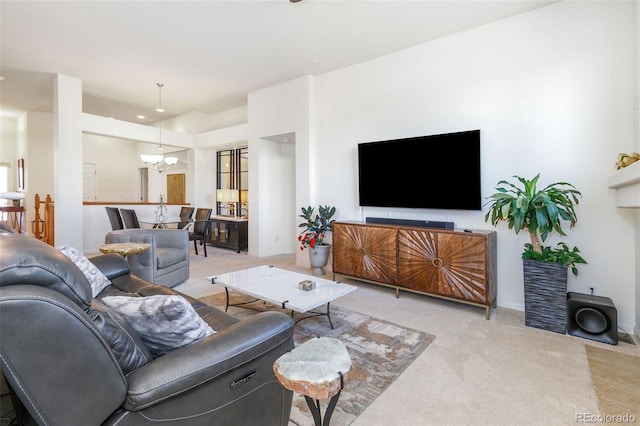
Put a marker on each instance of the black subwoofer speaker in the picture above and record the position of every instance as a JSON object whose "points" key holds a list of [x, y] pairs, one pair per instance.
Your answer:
{"points": [[592, 317]]}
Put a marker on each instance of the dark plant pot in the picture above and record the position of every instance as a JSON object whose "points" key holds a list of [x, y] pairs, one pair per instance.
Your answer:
{"points": [[545, 295]]}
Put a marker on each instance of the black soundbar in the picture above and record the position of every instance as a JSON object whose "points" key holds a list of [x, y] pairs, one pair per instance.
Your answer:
{"points": [[411, 222]]}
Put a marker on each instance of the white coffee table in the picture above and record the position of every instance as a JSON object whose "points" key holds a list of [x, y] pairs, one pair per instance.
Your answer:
{"points": [[280, 286]]}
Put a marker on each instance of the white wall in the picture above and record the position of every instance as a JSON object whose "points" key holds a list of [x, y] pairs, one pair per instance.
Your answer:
{"points": [[36, 136], [284, 109], [277, 206], [67, 160], [203, 160], [551, 91], [117, 162], [197, 122], [9, 150]]}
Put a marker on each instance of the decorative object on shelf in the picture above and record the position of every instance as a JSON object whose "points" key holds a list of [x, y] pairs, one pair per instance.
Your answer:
{"points": [[313, 236], [540, 213], [307, 285], [158, 161], [161, 211], [244, 203], [231, 197], [626, 159]]}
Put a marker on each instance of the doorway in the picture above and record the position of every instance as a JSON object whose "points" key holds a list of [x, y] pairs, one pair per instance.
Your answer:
{"points": [[89, 182], [176, 188], [144, 185]]}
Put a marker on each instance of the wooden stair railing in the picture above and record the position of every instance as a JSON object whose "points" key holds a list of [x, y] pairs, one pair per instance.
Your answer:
{"points": [[43, 226]]}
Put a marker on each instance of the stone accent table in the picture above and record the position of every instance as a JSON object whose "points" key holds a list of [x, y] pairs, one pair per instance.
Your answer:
{"points": [[124, 249], [318, 369]]}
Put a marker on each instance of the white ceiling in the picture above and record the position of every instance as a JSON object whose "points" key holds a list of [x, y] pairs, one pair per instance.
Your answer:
{"points": [[209, 54]]}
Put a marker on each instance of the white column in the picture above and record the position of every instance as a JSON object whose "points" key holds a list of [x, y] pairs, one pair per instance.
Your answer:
{"points": [[67, 161]]}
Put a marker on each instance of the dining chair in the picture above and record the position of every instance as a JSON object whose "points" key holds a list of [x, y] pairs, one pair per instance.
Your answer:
{"points": [[200, 229], [130, 218], [115, 218], [186, 213]]}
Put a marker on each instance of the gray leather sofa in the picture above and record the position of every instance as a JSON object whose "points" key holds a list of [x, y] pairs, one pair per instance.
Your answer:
{"points": [[70, 360], [166, 263]]}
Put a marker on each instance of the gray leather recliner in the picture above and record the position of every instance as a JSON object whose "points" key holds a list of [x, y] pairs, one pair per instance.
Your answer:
{"points": [[69, 360]]}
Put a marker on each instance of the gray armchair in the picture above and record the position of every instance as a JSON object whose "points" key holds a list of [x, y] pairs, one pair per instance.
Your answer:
{"points": [[166, 263]]}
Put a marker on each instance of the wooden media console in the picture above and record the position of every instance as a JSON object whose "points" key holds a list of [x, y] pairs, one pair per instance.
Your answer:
{"points": [[454, 265]]}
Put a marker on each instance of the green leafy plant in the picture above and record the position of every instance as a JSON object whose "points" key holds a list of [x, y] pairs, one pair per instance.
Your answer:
{"points": [[540, 213], [561, 254], [315, 227]]}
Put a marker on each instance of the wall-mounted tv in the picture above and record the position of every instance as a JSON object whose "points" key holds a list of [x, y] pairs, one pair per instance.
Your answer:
{"points": [[430, 172]]}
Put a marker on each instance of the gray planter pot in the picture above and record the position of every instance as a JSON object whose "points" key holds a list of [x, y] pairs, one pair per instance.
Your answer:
{"points": [[545, 295], [318, 258]]}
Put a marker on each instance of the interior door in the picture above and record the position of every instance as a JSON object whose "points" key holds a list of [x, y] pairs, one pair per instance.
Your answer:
{"points": [[144, 184], [89, 182], [175, 188]]}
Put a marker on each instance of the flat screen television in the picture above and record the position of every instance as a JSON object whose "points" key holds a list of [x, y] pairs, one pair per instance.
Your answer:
{"points": [[430, 172]]}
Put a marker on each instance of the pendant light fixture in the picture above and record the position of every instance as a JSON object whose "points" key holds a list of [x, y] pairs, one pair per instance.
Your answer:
{"points": [[158, 161]]}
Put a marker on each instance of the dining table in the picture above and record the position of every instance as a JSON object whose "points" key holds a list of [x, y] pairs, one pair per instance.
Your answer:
{"points": [[168, 222]]}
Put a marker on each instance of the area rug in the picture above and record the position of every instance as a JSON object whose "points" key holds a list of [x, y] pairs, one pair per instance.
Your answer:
{"points": [[379, 350]]}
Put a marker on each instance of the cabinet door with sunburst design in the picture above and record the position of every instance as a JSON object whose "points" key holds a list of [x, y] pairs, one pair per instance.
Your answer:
{"points": [[447, 264], [365, 251]]}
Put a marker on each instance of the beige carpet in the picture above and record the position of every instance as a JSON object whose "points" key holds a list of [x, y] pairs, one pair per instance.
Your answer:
{"points": [[380, 351], [476, 372]]}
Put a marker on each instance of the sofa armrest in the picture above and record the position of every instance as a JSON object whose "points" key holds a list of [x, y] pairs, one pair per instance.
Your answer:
{"points": [[205, 361], [112, 265], [54, 356]]}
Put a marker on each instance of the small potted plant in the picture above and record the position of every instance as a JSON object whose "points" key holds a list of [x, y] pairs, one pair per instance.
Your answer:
{"points": [[314, 234], [540, 213]]}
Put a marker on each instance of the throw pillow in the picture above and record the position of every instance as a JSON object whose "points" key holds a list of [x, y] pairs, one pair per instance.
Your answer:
{"points": [[96, 278], [165, 322]]}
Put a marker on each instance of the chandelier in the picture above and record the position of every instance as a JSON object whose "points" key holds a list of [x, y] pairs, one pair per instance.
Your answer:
{"points": [[158, 161]]}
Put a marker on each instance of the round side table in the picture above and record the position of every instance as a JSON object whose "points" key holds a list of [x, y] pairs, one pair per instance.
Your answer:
{"points": [[123, 249], [317, 369]]}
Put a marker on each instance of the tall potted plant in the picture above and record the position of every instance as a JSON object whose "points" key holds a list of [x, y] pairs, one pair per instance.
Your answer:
{"points": [[540, 213], [314, 234]]}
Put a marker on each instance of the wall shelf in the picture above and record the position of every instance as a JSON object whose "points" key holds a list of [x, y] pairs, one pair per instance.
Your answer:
{"points": [[626, 182]]}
